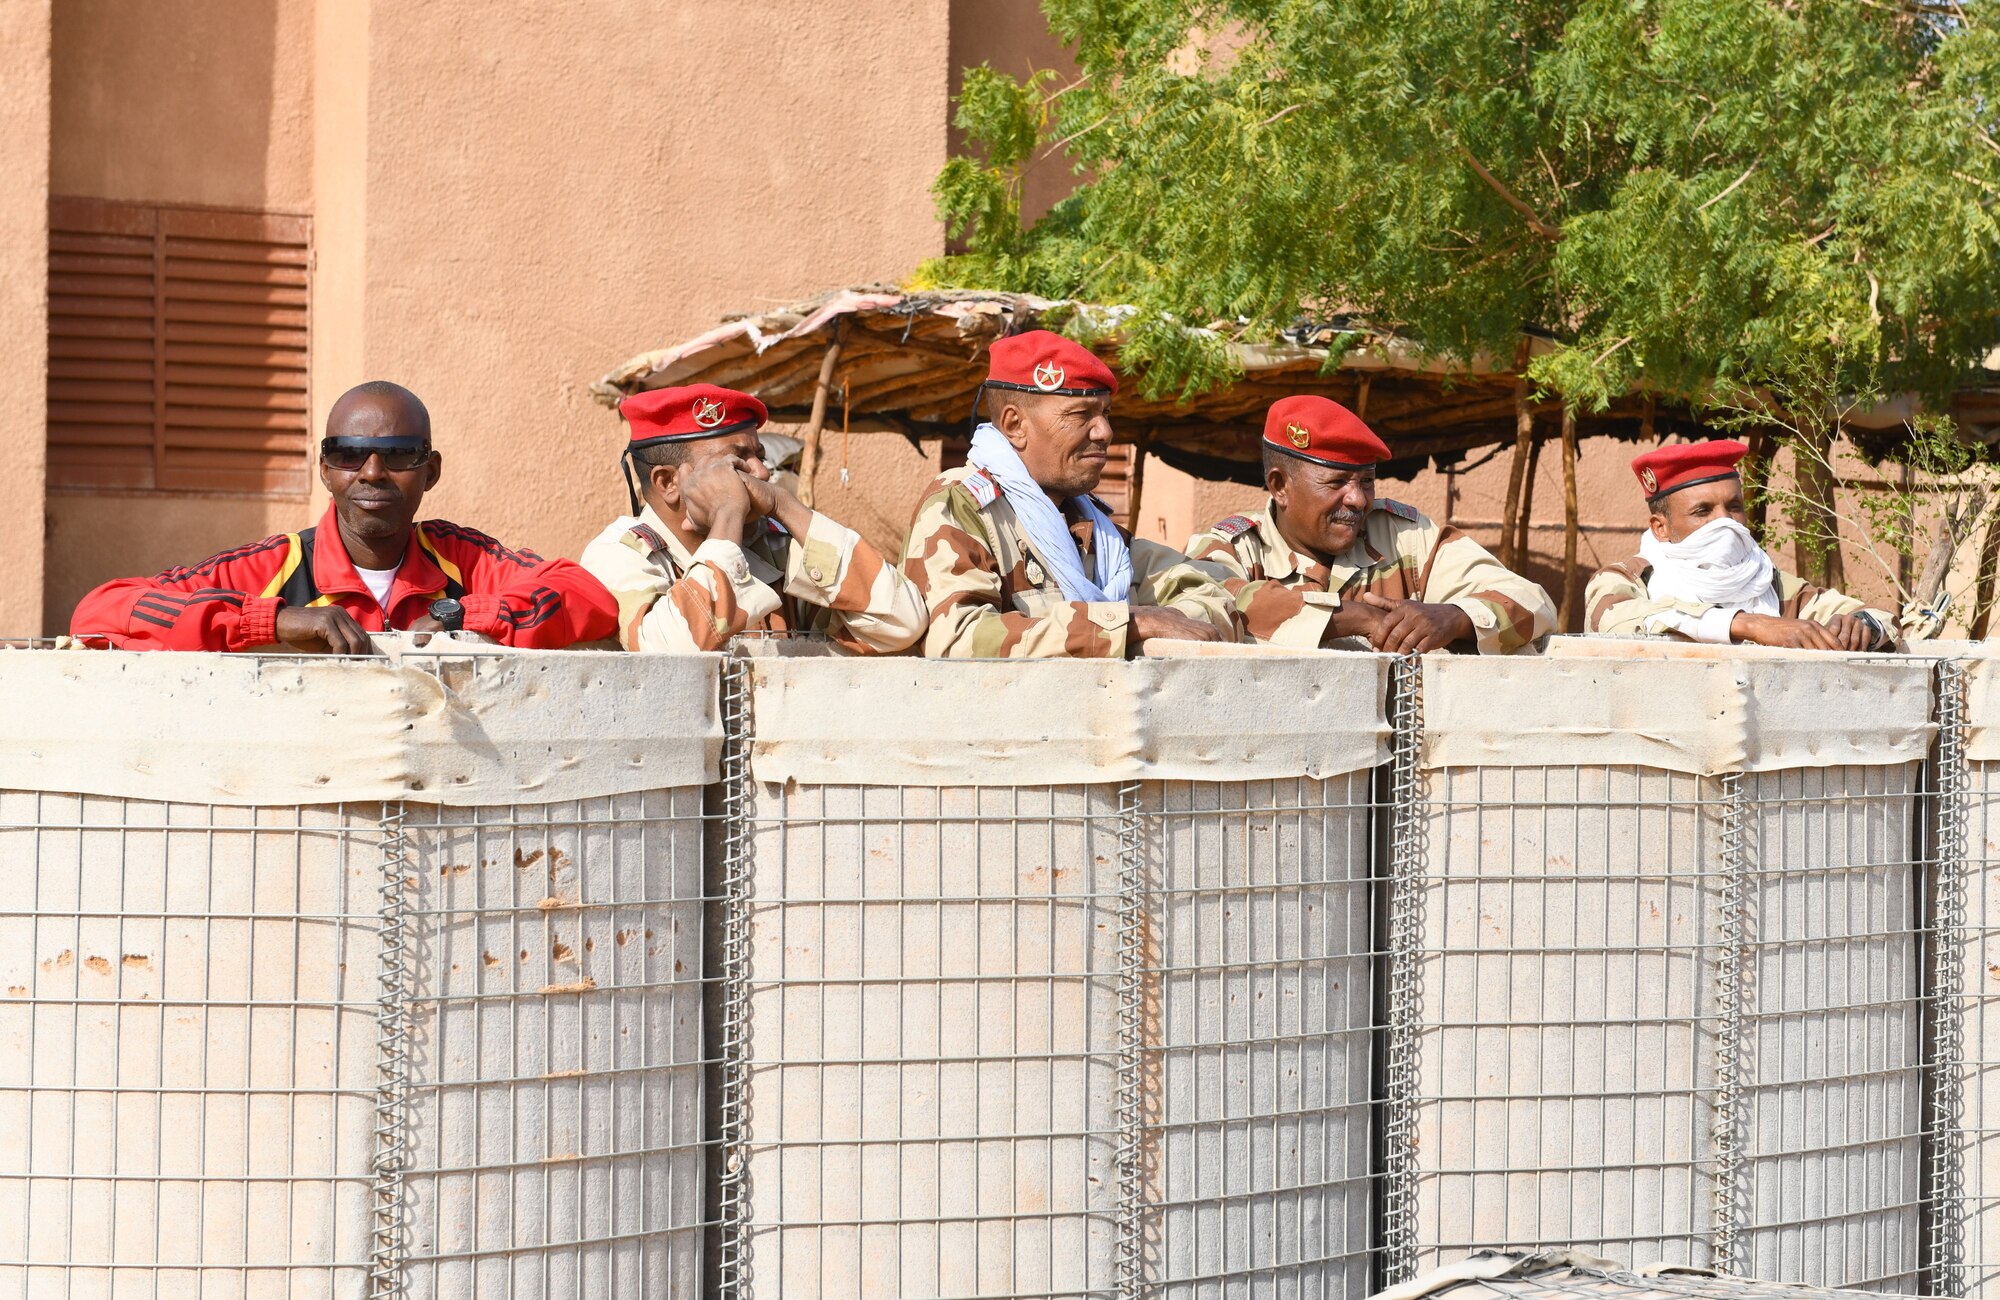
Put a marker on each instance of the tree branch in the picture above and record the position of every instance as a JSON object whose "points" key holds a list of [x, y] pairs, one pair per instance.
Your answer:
{"points": [[1731, 189], [1535, 222]]}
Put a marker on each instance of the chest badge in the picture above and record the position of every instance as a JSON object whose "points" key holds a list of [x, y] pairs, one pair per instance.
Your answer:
{"points": [[1300, 436], [1048, 376], [1035, 574]]}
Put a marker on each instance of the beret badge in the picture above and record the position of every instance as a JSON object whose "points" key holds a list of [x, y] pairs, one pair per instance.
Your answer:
{"points": [[708, 413], [1301, 437], [1649, 480], [1048, 376]]}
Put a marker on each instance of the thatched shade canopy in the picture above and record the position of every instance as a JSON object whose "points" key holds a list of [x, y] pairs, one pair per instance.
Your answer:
{"points": [[912, 363]]}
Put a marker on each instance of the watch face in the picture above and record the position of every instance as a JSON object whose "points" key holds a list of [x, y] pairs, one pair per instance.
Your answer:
{"points": [[448, 612]]}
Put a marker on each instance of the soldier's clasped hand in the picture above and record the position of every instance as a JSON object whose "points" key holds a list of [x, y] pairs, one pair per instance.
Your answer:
{"points": [[1414, 627]]}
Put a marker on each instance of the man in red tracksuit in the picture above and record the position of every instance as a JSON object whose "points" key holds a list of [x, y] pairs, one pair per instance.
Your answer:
{"points": [[367, 567]]}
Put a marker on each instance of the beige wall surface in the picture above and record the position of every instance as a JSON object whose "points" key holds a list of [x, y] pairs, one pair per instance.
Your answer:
{"points": [[199, 102], [551, 188], [24, 329], [184, 101]]}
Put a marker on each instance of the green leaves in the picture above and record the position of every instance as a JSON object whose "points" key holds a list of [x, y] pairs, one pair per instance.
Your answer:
{"points": [[1681, 192]]}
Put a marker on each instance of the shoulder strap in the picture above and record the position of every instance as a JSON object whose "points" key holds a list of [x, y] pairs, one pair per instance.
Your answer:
{"points": [[1234, 527], [1400, 510], [984, 490], [655, 546]]}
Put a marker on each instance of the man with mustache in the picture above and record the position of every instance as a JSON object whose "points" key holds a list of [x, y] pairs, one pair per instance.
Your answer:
{"points": [[1015, 557], [1336, 561], [1701, 576], [715, 546], [367, 567]]}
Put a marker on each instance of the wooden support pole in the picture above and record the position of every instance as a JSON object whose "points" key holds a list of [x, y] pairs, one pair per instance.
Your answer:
{"points": [[809, 461], [1817, 552], [1569, 518], [1527, 516], [1136, 484], [1524, 437], [1982, 592]]}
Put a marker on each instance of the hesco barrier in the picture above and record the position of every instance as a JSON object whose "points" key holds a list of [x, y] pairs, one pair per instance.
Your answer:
{"points": [[1234, 973]]}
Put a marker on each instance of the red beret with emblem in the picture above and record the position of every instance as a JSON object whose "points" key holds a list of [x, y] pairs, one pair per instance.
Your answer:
{"points": [[1322, 430], [1668, 469], [684, 414], [1040, 361]]}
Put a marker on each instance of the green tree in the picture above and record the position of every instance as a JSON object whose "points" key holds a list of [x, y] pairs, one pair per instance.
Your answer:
{"points": [[1692, 195]]}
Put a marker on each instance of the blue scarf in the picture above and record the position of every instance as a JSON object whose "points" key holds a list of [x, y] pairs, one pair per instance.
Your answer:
{"points": [[1048, 531]]}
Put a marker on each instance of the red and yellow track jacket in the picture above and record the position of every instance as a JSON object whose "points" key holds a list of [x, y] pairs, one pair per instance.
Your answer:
{"points": [[230, 601]]}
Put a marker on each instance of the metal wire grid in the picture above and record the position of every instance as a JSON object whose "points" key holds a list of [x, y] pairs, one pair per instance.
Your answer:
{"points": [[1667, 1018], [555, 1073], [1974, 987], [934, 1041], [187, 1048], [1832, 1068], [1258, 1027], [1569, 1015], [1945, 845]]}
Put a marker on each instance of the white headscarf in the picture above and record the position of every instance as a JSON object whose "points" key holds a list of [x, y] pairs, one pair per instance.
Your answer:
{"points": [[1046, 529], [1717, 564]]}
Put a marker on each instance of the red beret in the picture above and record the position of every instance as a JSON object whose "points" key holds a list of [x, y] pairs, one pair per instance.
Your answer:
{"points": [[684, 414], [1042, 362], [1668, 469], [1321, 430]]}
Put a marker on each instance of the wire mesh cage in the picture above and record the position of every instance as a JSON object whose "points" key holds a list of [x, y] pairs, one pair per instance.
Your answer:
{"points": [[187, 1047], [382, 1047], [1010, 1038], [1668, 1015]]}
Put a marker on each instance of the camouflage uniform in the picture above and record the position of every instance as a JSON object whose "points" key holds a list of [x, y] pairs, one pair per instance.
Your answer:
{"points": [[833, 582], [1401, 555], [991, 598], [1618, 602]]}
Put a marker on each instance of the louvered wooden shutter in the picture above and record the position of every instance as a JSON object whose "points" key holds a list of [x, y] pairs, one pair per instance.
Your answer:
{"points": [[177, 348]]}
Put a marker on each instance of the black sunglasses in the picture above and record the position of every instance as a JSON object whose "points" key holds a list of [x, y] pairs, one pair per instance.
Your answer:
{"points": [[398, 454]]}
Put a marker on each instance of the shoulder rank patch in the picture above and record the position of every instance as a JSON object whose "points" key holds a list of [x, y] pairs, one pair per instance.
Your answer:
{"points": [[648, 538], [984, 490], [1234, 527], [1400, 510]]}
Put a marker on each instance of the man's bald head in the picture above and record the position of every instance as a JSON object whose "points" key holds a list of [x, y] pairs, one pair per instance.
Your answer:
{"points": [[378, 409]]}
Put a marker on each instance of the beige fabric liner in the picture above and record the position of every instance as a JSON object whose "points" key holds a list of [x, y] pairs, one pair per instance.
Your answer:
{"points": [[1704, 714], [837, 721], [455, 729]]}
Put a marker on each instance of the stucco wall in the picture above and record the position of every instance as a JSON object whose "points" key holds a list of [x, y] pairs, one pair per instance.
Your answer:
{"points": [[204, 102], [550, 188], [24, 284], [184, 101]]}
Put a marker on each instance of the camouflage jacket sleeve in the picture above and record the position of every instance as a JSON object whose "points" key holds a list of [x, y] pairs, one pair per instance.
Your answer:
{"points": [[1271, 613], [949, 556], [1163, 576], [714, 600], [1508, 612], [874, 608], [1616, 603]]}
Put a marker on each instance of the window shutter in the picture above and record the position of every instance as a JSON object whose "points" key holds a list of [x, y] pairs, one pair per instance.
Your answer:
{"points": [[177, 348]]}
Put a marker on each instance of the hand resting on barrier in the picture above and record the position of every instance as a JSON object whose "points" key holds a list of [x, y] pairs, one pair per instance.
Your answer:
{"points": [[325, 629], [1157, 623], [1841, 632]]}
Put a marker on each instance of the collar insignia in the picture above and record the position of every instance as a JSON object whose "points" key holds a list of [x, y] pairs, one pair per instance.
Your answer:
{"points": [[1300, 436], [1649, 480], [708, 413], [1049, 376]]}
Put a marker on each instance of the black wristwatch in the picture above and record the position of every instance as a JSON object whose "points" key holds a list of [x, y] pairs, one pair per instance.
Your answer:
{"points": [[449, 614]]}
